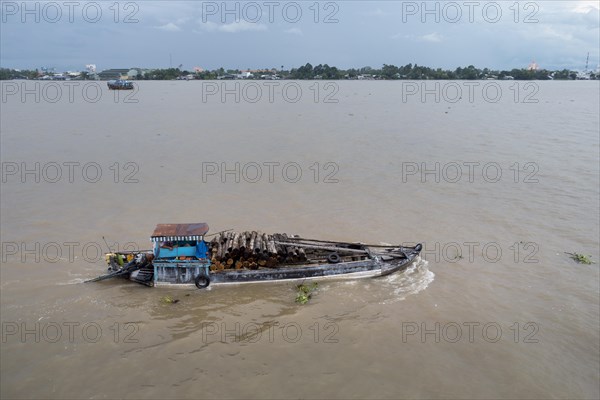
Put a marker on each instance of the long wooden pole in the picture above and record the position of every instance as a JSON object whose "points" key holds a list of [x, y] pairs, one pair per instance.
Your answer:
{"points": [[348, 243], [310, 246]]}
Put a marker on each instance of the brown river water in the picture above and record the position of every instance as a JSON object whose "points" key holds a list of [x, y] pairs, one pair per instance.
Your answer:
{"points": [[497, 180]]}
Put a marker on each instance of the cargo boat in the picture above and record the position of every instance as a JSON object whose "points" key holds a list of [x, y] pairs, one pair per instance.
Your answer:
{"points": [[180, 255], [120, 84]]}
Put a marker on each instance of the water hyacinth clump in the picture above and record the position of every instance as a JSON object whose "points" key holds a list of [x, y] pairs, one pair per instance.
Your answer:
{"points": [[581, 258], [304, 293]]}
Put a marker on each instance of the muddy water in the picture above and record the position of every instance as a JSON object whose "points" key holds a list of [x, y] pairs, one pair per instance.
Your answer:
{"points": [[496, 188]]}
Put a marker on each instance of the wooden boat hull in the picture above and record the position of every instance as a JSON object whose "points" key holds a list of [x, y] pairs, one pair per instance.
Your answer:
{"points": [[370, 268], [366, 267], [235, 282]]}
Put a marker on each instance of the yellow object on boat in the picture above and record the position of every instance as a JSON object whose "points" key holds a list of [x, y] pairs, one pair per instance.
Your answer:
{"points": [[107, 257]]}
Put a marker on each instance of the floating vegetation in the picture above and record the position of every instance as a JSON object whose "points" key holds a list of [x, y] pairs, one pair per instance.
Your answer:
{"points": [[305, 292], [168, 300], [581, 258]]}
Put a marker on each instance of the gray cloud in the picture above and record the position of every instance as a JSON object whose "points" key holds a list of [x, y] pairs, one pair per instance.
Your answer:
{"points": [[346, 34]]}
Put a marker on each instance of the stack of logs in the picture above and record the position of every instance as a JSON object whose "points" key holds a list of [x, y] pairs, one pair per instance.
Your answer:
{"points": [[252, 250]]}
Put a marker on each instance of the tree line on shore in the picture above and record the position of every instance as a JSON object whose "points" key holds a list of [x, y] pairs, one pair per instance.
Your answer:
{"points": [[324, 71]]}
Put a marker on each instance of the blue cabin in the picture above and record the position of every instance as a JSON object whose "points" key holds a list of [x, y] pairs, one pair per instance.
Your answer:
{"points": [[180, 253]]}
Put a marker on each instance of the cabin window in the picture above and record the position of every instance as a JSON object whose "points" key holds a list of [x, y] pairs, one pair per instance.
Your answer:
{"points": [[187, 248]]}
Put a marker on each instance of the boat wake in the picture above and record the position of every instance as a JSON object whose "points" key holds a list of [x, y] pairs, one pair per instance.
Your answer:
{"points": [[394, 287], [74, 281], [413, 280]]}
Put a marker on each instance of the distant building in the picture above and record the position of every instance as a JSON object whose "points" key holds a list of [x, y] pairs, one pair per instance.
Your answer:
{"points": [[583, 76], [533, 66], [262, 71], [245, 75], [108, 74], [136, 73]]}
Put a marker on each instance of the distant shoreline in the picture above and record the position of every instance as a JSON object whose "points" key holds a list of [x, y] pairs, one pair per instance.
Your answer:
{"points": [[296, 80], [408, 72]]}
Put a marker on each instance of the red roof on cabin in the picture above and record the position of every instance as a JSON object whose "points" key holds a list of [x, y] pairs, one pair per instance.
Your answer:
{"points": [[196, 229]]}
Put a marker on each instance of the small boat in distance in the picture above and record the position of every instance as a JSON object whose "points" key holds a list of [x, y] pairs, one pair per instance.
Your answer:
{"points": [[181, 256], [120, 84]]}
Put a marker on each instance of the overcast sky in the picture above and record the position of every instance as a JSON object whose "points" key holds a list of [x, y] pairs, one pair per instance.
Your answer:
{"points": [[267, 34]]}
